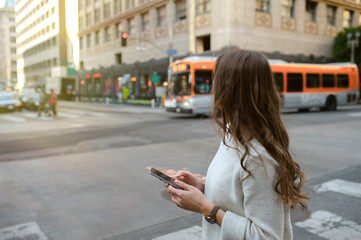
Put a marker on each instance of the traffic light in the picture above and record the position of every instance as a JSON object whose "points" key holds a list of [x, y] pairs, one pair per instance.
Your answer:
{"points": [[124, 39]]}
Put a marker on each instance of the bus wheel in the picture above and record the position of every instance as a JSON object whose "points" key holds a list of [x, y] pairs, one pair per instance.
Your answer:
{"points": [[331, 104], [303, 110]]}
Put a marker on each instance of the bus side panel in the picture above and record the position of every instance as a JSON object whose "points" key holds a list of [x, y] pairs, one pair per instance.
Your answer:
{"points": [[304, 100], [202, 104]]}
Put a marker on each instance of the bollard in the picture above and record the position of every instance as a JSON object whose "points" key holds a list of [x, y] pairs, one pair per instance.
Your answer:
{"points": [[107, 101]]}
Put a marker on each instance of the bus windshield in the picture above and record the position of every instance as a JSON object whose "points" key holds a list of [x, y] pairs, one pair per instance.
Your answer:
{"points": [[180, 84]]}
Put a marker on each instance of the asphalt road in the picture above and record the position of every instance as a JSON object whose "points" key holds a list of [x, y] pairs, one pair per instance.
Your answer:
{"points": [[84, 174]]}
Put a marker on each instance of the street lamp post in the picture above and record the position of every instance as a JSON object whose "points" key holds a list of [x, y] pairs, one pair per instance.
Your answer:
{"points": [[352, 42]]}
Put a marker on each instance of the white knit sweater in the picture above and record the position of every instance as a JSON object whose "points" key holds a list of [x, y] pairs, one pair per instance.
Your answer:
{"points": [[253, 208]]}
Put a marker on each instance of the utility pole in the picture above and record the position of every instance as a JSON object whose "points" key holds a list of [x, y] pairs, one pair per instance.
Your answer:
{"points": [[352, 42]]}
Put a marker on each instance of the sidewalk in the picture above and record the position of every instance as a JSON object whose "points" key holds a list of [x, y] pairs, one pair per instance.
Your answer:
{"points": [[115, 108]]}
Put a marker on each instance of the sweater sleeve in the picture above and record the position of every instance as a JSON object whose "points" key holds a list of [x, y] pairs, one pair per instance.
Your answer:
{"points": [[263, 208]]}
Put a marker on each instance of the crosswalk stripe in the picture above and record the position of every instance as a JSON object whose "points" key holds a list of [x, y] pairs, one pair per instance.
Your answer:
{"points": [[13, 118], [192, 233], [340, 186], [330, 226], [358, 114], [29, 230], [67, 115]]}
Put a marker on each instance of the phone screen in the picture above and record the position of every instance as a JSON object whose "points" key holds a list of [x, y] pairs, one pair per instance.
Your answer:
{"points": [[164, 177]]}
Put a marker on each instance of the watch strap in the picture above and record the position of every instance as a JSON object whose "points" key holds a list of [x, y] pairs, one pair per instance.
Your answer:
{"points": [[211, 218]]}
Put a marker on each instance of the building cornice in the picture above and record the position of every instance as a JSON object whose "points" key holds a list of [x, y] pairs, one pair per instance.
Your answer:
{"points": [[123, 15], [344, 3]]}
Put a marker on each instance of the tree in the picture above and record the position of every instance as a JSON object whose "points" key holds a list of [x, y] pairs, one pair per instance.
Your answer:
{"points": [[341, 51]]}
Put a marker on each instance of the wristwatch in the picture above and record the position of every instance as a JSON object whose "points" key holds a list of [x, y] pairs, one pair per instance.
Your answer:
{"points": [[211, 218]]}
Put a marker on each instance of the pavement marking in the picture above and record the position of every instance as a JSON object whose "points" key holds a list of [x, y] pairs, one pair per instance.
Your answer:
{"points": [[67, 115], [97, 114], [31, 114], [330, 226], [29, 230], [13, 119], [340, 186], [358, 114], [192, 233]]}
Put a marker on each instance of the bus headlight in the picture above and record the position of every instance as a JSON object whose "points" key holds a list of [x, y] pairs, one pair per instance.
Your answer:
{"points": [[187, 104]]}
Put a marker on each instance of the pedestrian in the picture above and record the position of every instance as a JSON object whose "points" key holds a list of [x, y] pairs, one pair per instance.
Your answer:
{"points": [[252, 181], [53, 100]]}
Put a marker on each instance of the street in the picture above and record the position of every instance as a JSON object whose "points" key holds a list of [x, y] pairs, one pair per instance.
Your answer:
{"points": [[84, 174]]}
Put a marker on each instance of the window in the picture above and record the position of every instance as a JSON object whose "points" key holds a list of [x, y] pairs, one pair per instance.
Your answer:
{"points": [[97, 37], [312, 80], [12, 29], [107, 34], [106, 10], [13, 39], [342, 81], [311, 11], [294, 82], [203, 6], [81, 43], [117, 6], [88, 41], [161, 16], [117, 30], [287, 8], [88, 2], [203, 43], [279, 81], [328, 80], [129, 4], [88, 19], [145, 21], [118, 58], [203, 81], [97, 15], [13, 50], [331, 15], [131, 26], [262, 6], [347, 18], [181, 10]]}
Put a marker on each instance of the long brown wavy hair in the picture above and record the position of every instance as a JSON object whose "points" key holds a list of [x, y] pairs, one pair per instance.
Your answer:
{"points": [[246, 105]]}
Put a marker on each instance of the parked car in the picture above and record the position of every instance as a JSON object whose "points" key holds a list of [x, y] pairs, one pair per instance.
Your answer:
{"points": [[30, 100], [9, 102]]}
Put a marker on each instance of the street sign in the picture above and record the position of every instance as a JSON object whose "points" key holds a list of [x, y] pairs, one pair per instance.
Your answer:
{"points": [[172, 51], [155, 79]]}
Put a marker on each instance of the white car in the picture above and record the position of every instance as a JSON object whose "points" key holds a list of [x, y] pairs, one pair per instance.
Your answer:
{"points": [[9, 102]]}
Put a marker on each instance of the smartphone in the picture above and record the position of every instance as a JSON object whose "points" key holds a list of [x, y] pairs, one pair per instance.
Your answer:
{"points": [[164, 177]]}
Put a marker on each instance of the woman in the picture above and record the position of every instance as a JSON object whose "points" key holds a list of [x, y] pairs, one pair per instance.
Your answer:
{"points": [[252, 181]]}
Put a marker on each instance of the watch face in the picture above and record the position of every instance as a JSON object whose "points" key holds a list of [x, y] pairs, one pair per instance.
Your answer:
{"points": [[210, 220]]}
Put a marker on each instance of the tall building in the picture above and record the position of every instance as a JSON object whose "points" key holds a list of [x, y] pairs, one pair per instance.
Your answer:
{"points": [[8, 74], [42, 42], [293, 30]]}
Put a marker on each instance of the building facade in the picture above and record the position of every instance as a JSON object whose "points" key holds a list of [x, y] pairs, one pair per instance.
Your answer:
{"points": [[41, 41], [293, 30], [8, 76]]}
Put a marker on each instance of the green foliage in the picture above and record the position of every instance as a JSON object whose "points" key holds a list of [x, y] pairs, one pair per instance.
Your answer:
{"points": [[341, 51]]}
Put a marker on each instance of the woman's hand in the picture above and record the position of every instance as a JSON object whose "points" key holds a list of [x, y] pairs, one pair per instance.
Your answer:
{"points": [[190, 179], [191, 198]]}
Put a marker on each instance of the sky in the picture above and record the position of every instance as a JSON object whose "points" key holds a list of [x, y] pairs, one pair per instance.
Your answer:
{"points": [[7, 3]]}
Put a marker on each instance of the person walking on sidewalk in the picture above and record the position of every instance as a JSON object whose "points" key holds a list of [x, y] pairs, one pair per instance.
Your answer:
{"points": [[53, 100], [252, 181]]}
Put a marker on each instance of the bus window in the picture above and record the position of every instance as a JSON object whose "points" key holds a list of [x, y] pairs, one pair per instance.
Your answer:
{"points": [[342, 81], [328, 80], [179, 84], [312, 80], [203, 81], [279, 81], [294, 82]]}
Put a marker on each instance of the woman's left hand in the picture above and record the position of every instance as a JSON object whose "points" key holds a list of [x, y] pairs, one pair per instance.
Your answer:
{"points": [[190, 198]]}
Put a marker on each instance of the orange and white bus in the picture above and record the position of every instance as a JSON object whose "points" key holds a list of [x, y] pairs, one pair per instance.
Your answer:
{"points": [[301, 86]]}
